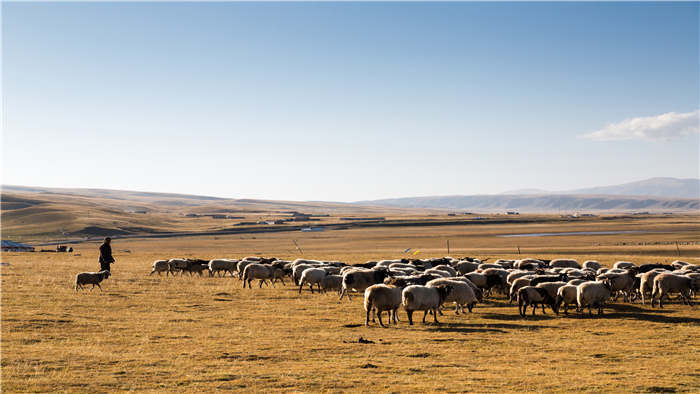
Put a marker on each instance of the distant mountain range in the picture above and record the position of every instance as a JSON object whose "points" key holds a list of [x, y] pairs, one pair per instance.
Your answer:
{"points": [[654, 194]]}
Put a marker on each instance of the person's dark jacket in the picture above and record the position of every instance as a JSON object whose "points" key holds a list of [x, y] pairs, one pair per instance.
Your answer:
{"points": [[106, 254]]}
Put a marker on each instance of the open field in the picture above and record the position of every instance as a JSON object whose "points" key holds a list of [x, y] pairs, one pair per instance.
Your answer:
{"points": [[202, 334]]}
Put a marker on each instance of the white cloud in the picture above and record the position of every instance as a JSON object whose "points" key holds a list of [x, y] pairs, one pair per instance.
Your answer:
{"points": [[652, 128]]}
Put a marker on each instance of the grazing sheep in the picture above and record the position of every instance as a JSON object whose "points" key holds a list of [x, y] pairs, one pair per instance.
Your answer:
{"points": [[423, 298], [566, 295], [219, 265], [177, 265], [195, 266], [591, 264], [678, 264], [438, 272], [360, 279], [380, 298], [624, 264], [507, 264], [160, 266], [577, 282], [548, 278], [648, 267], [646, 282], [312, 276], [517, 274], [593, 294], [257, 271], [477, 291], [485, 266], [240, 267], [564, 263], [297, 270], [496, 278], [621, 282], [529, 264], [90, 278], [666, 283], [332, 282], [691, 268], [462, 294], [533, 296]]}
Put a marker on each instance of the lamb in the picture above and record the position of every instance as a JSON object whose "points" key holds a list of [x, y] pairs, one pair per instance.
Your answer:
{"points": [[423, 298], [564, 263], [566, 295], [312, 276], [666, 283], [90, 278], [359, 280], [332, 282], [533, 296], [462, 294], [380, 298], [593, 294], [219, 265], [646, 282], [160, 266], [257, 271]]}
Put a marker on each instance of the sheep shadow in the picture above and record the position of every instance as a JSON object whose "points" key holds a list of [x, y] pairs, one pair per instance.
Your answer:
{"points": [[650, 317], [516, 316], [475, 327]]}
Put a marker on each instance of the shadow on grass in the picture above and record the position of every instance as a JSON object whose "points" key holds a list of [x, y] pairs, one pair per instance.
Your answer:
{"points": [[516, 316], [475, 327]]}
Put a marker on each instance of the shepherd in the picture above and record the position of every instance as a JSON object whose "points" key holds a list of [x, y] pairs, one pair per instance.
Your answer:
{"points": [[106, 255]]}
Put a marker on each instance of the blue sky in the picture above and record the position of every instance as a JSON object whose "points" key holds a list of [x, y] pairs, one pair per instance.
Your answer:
{"points": [[348, 101]]}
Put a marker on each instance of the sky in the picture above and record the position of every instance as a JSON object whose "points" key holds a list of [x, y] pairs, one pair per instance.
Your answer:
{"points": [[348, 101]]}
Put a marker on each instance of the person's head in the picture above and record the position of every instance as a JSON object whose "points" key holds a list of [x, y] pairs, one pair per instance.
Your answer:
{"points": [[108, 240]]}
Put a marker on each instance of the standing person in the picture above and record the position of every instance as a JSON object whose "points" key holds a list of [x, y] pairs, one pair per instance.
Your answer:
{"points": [[106, 255]]}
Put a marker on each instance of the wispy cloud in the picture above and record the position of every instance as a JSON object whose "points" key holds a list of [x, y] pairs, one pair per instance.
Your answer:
{"points": [[651, 128]]}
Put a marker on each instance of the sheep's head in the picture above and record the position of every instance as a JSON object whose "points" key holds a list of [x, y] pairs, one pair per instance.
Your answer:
{"points": [[105, 274]]}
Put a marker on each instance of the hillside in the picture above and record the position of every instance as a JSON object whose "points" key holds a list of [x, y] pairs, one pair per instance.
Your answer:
{"points": [[659, 187], [542, 203]]}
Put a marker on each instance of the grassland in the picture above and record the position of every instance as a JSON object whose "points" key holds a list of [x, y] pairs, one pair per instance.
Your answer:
{"points": [[205, 334]]}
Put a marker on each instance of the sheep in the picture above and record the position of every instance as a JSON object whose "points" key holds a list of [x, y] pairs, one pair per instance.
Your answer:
{"points": [[646, 282], [507, 264], [577, 282], [690, 268], [528, 264], [666, 283], [465, 267], [225, 265], [195, 266], [477, 291], [624, 264], [380, 298], [513, 275], [359, 280], [485, 266], [297, 270], [517, 285], [551, 287], [496, 277], [601, 271], [438, 272], [90, 278], [462, 294], [593, 294], [564, 263], [533, 296], [160, 266], [176, 265], [446, 268], [678, 264], [591, 264], [240, 267], [312, 276], [257, 271], [423, 298], [622, 282], [548, 278], [332, 282], [648, 267], [566, 295]]}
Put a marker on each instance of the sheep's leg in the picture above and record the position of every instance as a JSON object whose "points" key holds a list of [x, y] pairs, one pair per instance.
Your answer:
{"points": [[319, 286], [151, 272], [367, 317], [381, 323], [301, 286], [543, 312], [282, 280], [261, 283], [661, 299], [342, 293], [435, 318], [374, 314], [396, 315], [311, 287], [100, 287], [410, 317], [534, 308], [425, 313]]}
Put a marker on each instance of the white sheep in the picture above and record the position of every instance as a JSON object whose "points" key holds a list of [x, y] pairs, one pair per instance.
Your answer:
{"points": [[465, 267], [332, 282], [219, 265], [593, 294], [257, 271], [517, 284], [90, 278], [423, 298], [361, 279], [446, 268], [646, 282], [566, 295], [551, 288], [160, 266], [624, 264], [312, 276], [462, 294], [666, 283], [380, 298], [564, 263], [591, 264]]}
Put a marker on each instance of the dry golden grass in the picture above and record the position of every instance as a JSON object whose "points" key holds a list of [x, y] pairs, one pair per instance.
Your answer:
{"points": [[204, 334]]}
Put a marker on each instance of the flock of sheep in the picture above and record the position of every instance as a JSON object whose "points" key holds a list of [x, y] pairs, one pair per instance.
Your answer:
{"points": [[428, 284]]}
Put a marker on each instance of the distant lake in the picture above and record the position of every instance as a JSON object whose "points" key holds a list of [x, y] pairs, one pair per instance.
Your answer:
{"points": [[576, 233]]}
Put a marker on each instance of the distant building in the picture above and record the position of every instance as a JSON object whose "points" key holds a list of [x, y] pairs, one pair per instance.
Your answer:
{"points": [[512, 213], [11, 246]]}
